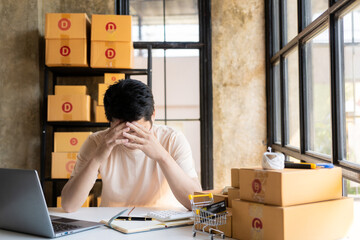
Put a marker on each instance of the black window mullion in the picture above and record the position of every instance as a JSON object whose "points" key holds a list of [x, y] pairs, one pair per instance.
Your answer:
{"points": [[269, 79]]}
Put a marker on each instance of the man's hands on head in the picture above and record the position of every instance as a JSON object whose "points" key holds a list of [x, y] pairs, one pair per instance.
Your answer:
{"points": [[144, 139], [113, 136]]}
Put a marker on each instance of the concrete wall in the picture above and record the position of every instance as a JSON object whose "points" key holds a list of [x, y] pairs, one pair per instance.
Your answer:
{"points": [[238, 52]]}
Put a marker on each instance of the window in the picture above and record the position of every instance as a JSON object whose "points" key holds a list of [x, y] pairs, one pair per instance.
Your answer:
{"points": [[178, 32], [313, 48]]}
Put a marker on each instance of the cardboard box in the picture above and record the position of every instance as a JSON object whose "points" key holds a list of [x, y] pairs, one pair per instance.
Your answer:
{"points": [[111, 54], [62, 164], [68, 108], [66, 39], [87, 202], [69, 141], [316, 221], [290, 186], [235, 177], [101, 92], [70, 89], [66, 25], [100, 115], [233, 193], [226, 228], [221, 197], [66, 52], [111, 28], [111, 78]]}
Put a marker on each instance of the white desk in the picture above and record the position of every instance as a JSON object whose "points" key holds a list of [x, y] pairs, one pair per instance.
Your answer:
{"points": [[104, 233]]}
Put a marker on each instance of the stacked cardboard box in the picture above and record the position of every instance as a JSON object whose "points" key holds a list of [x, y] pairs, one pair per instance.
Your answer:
{"points": [[291, 204], [109, 79], [66, 147], [66, 37], [111, 45], [70, 103]]}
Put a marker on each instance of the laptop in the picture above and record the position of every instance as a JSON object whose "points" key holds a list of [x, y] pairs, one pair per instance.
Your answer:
{"points": [[23, 207]]}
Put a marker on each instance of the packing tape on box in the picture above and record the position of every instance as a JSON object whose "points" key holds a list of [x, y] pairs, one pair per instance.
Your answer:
{"points": [[65, 51], [256, 213], [110, 62], [272, 160], [259, 185]]}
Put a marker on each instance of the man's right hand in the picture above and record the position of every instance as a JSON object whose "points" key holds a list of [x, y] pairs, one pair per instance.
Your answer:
{"points": [[113, 136]]}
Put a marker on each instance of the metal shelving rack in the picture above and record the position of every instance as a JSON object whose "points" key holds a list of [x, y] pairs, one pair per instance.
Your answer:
{"points": [[51, 127]]}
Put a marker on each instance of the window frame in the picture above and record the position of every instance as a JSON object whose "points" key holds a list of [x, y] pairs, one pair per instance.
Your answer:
{"points": [[205, 78], [328, 18]]}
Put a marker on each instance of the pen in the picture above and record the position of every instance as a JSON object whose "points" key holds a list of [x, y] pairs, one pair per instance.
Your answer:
{"points": [[124, 218], [325, 165]]}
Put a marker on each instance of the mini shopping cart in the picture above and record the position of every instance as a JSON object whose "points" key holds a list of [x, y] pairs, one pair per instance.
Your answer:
{"points": [[205, 221]]}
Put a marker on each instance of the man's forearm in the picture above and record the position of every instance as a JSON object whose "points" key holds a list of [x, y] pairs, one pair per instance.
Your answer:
{"points": [[78, 187], [180, 183]]}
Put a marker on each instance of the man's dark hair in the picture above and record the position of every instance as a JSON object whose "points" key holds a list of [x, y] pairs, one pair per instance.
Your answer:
{"points": [[128, 100]]}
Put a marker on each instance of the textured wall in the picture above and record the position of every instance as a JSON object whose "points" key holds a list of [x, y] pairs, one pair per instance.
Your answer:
{"points": [[238, 60], [19, 84]]}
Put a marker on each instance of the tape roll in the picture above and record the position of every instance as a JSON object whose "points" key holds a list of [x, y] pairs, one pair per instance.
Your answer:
{"points": [[272, 160]]}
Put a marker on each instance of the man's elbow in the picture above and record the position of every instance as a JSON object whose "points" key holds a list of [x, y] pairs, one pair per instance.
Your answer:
{"points": [[69, 208]]}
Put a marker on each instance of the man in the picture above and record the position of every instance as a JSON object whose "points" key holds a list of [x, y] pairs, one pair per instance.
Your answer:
{"points": [[141, 164]]}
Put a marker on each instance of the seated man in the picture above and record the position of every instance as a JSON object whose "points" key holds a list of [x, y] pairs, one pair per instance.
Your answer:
{"points": [[141, 163]]}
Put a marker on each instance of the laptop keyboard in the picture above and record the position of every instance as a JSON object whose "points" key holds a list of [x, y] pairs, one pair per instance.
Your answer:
{"points": [[61, 227]]}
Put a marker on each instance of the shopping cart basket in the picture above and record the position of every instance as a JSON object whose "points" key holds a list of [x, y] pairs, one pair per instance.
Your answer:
{"points": [[205, 221]]}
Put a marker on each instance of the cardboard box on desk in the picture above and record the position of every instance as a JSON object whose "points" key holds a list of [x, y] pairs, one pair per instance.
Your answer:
{"points": [[69, 141], [106, 54], [316, 221], [70, 89], [68, 108], [233, 193], [290, 186], [235, 177], [102, 87], [111, 78], [66, 37]]}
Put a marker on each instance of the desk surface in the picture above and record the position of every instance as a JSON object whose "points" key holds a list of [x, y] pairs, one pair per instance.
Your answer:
{"points": [[97, 214]]}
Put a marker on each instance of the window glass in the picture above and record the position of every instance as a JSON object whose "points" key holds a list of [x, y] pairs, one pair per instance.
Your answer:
{"points": [[182, 84], [275, 26], [277, 103], [290, 20], [317, 61], [313, 9], [292, 79], [147, 20], [140, 61], [350, 23], [181, 21]]}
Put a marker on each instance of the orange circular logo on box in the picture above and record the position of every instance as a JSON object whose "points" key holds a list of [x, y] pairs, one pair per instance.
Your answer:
{"points": [[64, 24], [256, 186], [65, 51], [110, 53], [70, 166], [67, 107], [257, 224], [113, 78], [73, 141], [110, 27]]}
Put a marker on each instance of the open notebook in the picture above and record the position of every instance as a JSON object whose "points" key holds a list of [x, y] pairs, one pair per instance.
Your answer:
{"points": [[143, 226]]}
